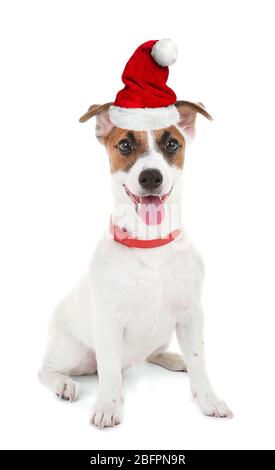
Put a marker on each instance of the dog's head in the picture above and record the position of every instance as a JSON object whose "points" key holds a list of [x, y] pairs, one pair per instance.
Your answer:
{"points": [[146, 166]]}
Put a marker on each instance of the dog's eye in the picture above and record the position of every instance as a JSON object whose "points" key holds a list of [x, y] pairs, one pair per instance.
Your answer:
{"points": [[172, 145], [125, 146]]}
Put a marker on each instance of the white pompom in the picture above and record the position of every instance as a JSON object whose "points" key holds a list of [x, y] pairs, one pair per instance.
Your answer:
{"points": [[165, 52]]}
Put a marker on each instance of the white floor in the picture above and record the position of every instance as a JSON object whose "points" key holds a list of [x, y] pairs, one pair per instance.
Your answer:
{"points": [[159, 414]]}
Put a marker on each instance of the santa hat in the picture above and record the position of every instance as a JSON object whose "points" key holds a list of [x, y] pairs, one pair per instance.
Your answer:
{"points": [[146, 102]]}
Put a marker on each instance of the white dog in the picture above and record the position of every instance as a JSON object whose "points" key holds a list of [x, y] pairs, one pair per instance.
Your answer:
{"points": [[145, 278]]}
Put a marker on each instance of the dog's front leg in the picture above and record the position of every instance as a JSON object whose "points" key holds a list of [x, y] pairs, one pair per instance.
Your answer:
{"points": [[108, 335], [190, 337]]}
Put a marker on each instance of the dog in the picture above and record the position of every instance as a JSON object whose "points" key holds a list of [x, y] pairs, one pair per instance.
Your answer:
{"points": [[145, 278]]}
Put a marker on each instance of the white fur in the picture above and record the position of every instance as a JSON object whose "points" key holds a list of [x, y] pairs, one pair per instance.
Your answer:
{"points": [[165, 52], [142, 119], [128, 304]]}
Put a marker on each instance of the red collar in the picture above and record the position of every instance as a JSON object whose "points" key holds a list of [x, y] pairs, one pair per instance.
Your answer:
{"points": [[122, 236]]}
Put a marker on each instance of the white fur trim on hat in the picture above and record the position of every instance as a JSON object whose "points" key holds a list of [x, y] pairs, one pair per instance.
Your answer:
{"points": [[165, 52], [144, 119]]}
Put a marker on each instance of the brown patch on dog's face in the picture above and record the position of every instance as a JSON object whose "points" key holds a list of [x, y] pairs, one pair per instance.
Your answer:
{"points": [[125, 147], [170, 142]]}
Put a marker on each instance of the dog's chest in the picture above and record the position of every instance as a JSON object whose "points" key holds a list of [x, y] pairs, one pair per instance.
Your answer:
{"points": [[151, 307], [150, 316], [148, 290]]}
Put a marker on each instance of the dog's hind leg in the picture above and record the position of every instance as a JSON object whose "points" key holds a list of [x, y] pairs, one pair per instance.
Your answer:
{"points": [[65, 357], [168, 360]]}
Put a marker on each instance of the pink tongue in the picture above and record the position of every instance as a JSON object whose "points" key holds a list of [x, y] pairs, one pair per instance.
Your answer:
{"points": [[151, 210]]}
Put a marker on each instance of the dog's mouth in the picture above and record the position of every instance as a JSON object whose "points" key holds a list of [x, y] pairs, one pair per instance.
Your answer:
{"points": [[149, 207]]}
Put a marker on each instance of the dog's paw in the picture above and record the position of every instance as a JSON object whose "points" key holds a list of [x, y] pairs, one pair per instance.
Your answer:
{"points": [[210, 405], [67, 388], [106, 413]]}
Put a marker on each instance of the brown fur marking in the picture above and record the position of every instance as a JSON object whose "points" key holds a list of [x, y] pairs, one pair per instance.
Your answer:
{"points": [[197, 107], [176, 159], [124, 162], [94, 110]]}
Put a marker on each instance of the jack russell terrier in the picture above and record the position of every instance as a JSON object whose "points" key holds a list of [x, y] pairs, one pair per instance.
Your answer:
{"points": [[145, 278]]}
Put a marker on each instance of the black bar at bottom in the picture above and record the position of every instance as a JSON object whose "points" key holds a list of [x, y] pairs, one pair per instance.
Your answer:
{"points": [[127, 458]]}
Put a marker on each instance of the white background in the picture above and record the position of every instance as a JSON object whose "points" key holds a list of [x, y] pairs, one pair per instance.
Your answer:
{"points": [[58, 58]]}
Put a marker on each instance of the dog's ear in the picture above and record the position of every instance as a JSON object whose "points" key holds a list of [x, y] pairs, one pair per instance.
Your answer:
{"points": [[103, 122], [188, 112]]}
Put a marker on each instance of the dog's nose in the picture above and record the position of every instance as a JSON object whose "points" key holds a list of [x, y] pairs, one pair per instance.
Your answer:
{"points": [[150, 179]]}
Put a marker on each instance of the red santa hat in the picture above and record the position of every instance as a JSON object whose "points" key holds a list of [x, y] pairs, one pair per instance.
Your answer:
{"points": [[146, 102]]}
